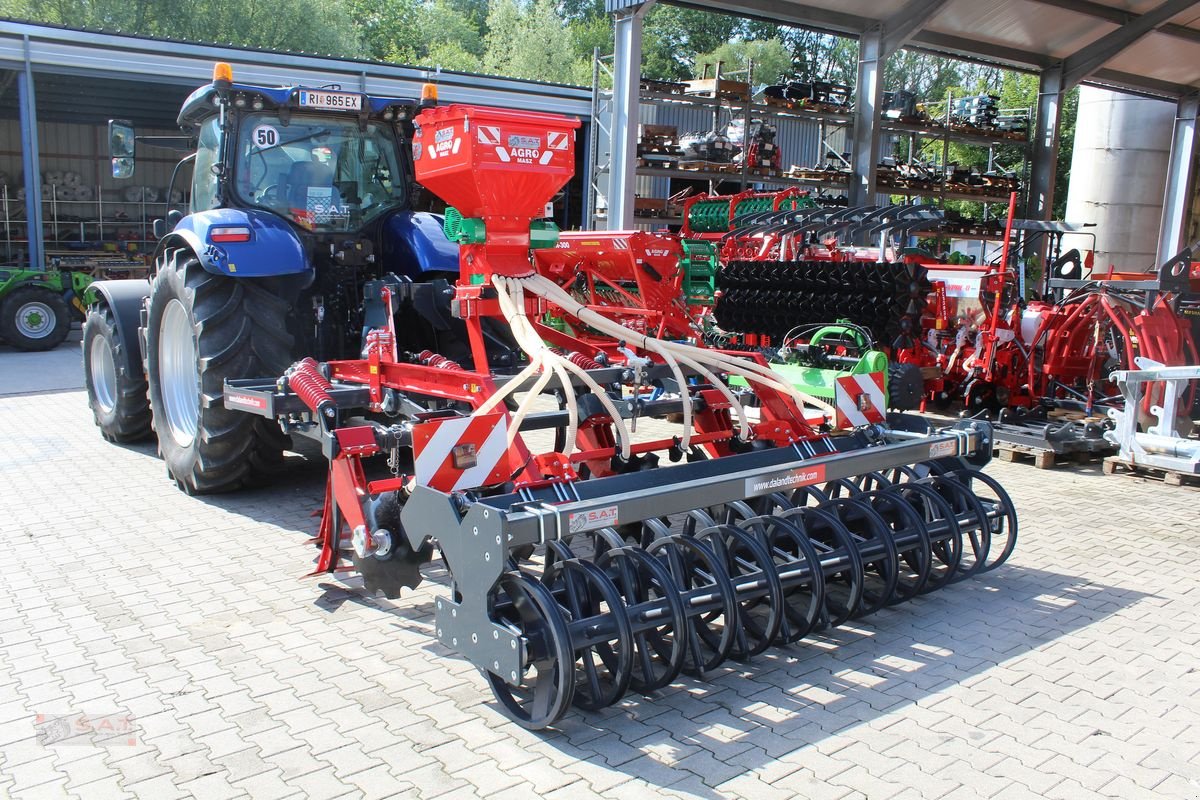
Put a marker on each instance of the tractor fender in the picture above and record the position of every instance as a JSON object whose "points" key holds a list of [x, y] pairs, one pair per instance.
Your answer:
{"points": [[414, 245], [274, 248], [124, 299]]}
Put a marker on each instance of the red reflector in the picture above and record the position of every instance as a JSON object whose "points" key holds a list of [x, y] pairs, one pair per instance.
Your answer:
{"points": [[240, 234]]}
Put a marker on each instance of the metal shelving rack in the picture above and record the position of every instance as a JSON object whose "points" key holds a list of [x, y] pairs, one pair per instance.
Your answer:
{"points": [[946, 134], [740, 178], [90, 226]]}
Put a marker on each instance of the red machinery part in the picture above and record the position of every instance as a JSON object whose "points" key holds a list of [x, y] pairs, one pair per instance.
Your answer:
{"points": [[306, 380], [711, 591], [632, 277], [432, 359], [496, 165], [584, 361]]}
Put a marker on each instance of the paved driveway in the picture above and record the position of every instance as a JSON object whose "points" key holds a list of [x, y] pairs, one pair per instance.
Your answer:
{"points": [[178, 635]]}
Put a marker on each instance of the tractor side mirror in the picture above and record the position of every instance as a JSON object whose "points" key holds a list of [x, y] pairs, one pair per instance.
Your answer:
{"points": [[162, 227], [121, 139]]}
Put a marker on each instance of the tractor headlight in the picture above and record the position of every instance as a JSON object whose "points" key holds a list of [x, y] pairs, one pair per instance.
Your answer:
{"points": [[239, 101], [390, 114], [257, 105]]}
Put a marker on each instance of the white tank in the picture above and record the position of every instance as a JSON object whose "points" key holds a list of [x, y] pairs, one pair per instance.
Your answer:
{"points": [[1031, 318], [1119, 175]]}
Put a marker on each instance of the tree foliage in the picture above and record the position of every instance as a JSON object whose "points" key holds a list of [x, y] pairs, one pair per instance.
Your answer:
{"points": [[279, 25], [769, 58]]}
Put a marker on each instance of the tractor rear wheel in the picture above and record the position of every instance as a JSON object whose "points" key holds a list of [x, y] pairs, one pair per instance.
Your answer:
{"points": [[201, 329], [34, 318], [116, 396]]}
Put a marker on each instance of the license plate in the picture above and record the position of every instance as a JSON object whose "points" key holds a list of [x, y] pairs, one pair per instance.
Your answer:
{"points": [[336, 101]]}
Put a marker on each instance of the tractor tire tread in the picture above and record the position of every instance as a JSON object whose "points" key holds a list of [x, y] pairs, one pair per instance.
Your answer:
{"points": [[130, 420], [241, 332]]}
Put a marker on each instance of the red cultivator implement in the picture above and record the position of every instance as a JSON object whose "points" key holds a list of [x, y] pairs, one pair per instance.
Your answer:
{"points": [[586, 569]]}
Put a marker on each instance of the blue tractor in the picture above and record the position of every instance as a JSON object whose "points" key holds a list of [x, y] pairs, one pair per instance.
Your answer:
{"points": [[301, 201]]}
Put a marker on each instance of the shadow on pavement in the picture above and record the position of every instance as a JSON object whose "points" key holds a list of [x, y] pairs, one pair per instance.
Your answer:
{"points": [[751, 713], [797, 695]]}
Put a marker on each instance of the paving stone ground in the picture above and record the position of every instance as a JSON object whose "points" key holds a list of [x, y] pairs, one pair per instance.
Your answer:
{"points": [[181, 629]]}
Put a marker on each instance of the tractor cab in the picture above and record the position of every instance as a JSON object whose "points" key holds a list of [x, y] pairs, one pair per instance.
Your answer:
{"points": [[326, 160], [333, 166]]}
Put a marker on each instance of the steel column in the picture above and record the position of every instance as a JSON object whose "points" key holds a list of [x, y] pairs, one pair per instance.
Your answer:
{"points": [[1045, 144], [627, 75], [868, 98], [1181, 171], [27, 110]]}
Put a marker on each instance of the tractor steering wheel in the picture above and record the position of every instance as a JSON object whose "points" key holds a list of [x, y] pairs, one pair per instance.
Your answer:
{"points": [[270, 195]]}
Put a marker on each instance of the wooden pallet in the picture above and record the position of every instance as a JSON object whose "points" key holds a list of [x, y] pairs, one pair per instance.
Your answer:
{"points": [[712, 87], [1115, 464], [1043, 457], [709, 166]]}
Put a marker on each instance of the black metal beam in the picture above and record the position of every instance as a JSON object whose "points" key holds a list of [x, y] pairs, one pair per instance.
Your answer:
{"points": [[1119, 16], [1151, 87], [900, 27], [974, 49], [783, 12], [1092, 57]]}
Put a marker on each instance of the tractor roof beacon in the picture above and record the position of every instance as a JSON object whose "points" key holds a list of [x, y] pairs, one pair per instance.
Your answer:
{"points": [[301, 204]]}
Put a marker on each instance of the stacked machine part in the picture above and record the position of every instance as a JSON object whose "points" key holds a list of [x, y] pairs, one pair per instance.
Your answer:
{"points": [[772, 298], [610, 563], [796, 265]]}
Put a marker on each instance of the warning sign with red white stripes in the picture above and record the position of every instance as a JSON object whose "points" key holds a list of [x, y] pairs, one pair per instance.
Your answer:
{"points": [[558, 140], [488, 134], [860, 400], [456, 453]]}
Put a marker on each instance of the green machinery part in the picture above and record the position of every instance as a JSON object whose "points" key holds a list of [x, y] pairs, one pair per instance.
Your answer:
{"points": [[711, 215], [471, 230], [75, 287], [821, 382], [699, 265]]}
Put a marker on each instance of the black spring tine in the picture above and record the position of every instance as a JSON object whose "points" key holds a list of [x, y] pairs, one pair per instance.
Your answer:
{"points": [[703, 604], [796, 571], [946, 538], [1000, 511], [876, 550], [592, 629], [643, 576], [752, 572], [913, 545], [838, 557]]}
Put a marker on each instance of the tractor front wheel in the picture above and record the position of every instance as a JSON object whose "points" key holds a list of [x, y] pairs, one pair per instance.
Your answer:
{"points": [[203, 328], [116, 396], [34, 318]]}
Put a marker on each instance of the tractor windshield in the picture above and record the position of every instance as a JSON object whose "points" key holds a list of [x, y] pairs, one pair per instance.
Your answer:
{"points": [[326, 174]]}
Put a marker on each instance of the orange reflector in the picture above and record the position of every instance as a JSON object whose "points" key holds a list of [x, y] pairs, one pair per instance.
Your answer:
{"points": [[222, 72]]}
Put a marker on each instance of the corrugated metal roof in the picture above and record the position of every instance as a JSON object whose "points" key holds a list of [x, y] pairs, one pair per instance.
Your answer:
{"points": [[1025, 34]]}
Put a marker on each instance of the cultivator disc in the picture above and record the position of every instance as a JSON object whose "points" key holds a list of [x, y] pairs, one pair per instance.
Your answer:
{"points": [[772, 298], [604, 612]]}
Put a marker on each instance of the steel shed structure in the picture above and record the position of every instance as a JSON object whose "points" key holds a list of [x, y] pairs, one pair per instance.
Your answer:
{"points": [[1151, 47]]}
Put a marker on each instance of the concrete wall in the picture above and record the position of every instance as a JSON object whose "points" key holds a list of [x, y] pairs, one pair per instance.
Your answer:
{"points": [[1119, 173]]}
